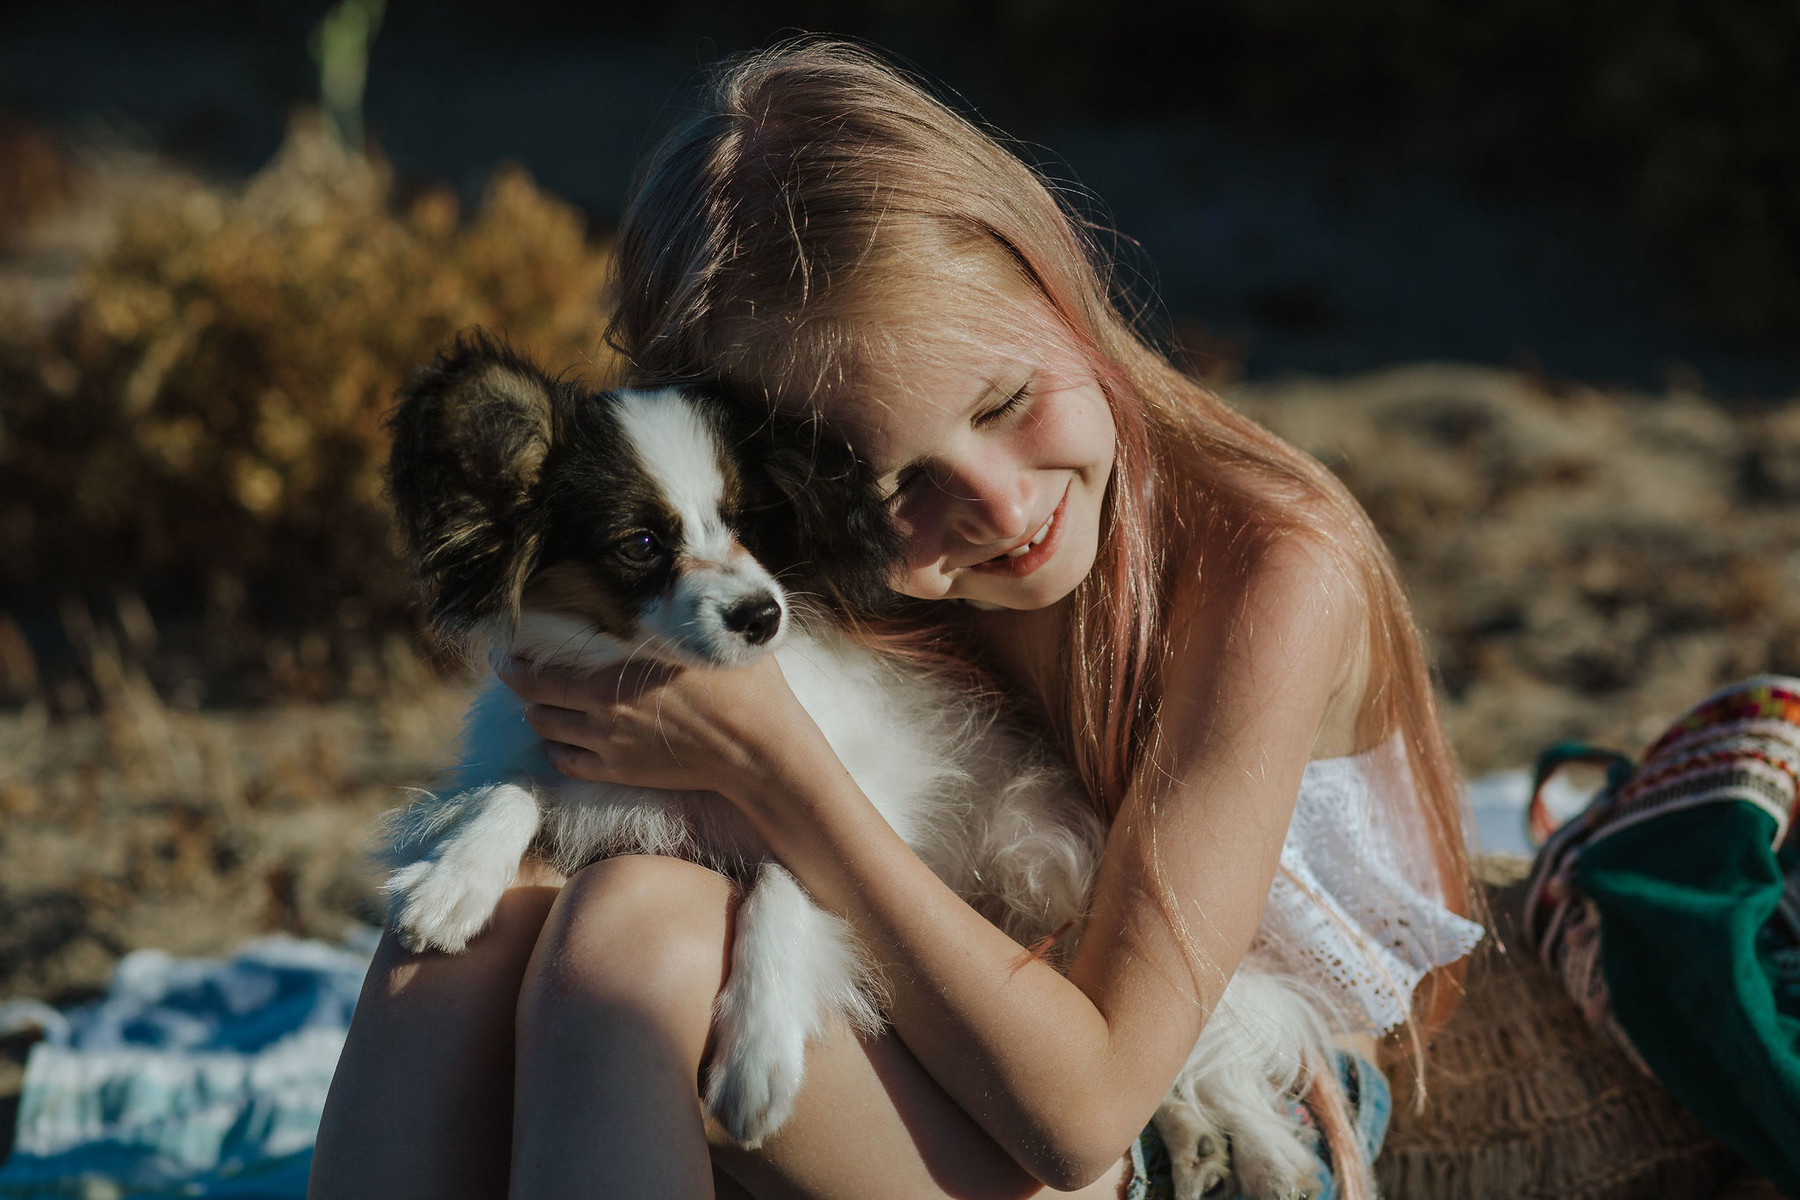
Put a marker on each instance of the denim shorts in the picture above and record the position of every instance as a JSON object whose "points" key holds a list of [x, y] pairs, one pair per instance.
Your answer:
{"points": [[1365, 1090]]}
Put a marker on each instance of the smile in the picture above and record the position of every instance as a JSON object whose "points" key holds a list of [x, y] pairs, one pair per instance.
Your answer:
{"points": [[1040, 535], [1032, 553]]}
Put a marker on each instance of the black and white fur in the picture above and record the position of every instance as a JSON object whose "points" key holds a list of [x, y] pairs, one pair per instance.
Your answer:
{"points": [[581, 529]]}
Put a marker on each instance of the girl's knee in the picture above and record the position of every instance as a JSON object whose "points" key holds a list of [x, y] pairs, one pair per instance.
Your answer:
{"points": [[644, 931], [496, 957]]}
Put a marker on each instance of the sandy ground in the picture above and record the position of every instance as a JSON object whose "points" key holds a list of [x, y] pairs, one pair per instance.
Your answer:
{"points": [[192, 832], [1585, 563]]}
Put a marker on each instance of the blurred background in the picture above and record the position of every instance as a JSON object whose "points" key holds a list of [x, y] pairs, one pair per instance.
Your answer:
{"points": [[1525, 272]]}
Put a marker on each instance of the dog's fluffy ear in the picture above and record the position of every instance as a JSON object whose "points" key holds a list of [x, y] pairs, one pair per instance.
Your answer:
{"points": [[834, 535], [471, 432]]}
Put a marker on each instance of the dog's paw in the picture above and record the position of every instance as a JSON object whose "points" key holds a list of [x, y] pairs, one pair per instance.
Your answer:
{"points": [[1281, 1170], [1274, 1161], [433, 906], [754, 1079], [1199, 1152]]}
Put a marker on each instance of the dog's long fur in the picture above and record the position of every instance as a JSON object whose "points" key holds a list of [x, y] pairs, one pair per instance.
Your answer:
{"points": [[527, 503]]}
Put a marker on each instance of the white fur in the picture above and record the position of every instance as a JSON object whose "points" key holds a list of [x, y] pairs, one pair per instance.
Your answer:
{"points": [[1228, 1113], [983, 806], [768, 1011], [677, 448], [458, 855]]}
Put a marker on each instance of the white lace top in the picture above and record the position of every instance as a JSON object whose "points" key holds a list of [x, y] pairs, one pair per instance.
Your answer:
{"points": [[1348, 912]]}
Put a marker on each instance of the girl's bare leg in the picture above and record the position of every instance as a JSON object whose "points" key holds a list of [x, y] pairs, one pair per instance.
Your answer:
{"points": [[613, 1023], [613, 1026], [421, 1104], [870, 1122]]}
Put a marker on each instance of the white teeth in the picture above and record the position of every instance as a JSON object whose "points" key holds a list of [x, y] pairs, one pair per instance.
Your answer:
{"points": [[1040, 535]]}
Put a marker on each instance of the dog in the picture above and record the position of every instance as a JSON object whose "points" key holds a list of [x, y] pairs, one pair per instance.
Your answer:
{"points": [[580, 529]]}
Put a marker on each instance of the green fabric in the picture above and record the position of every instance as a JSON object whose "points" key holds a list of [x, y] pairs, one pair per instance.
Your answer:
{"points": [[1685, 902]]}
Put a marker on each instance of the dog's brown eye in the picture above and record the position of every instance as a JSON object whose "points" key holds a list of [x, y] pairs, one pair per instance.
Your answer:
{"points": [[638, 548]]}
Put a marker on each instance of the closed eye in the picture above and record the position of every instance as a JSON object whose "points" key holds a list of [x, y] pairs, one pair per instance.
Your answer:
{"points": [[1012, 404], [993, 416], [903, 485]]}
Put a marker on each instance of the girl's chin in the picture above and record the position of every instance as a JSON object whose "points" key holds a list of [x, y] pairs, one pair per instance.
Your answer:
{"points": [[1050, 585], [1020, 596]]}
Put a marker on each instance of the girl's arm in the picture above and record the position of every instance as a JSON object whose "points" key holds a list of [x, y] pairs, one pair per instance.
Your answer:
{"points": [[1061, 1071]]}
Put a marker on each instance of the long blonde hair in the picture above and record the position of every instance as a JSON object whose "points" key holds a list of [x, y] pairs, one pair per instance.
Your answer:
{"points": [[821, 191]]}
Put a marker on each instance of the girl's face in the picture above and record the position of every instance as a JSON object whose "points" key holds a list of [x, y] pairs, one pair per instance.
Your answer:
{"points": [[995, 449]]}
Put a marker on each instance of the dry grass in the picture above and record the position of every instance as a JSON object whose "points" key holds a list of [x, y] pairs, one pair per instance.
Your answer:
{"points": [[1585, 563], [193, 832]]}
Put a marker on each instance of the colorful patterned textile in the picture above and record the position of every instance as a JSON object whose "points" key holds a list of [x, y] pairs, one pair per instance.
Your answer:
{"points": [[1670, 910], [1741, 744], [1365, 1092]]}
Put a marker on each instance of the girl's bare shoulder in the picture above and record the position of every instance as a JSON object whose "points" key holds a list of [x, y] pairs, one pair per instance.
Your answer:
{"points": [[1321, 594], [1292, 611]]}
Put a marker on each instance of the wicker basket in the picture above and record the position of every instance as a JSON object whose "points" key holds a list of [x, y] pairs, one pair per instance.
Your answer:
{"points": [[1525, 1100]]}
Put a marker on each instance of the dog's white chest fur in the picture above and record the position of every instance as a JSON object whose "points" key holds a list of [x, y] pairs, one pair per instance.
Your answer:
{"points": [[912, 746]]}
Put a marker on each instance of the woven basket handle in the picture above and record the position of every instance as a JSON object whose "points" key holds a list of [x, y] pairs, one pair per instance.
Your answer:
{"points": [[1539, 824]]}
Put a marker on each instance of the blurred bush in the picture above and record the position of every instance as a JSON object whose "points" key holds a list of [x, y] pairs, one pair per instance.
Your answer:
{"points": [[204, 424]]}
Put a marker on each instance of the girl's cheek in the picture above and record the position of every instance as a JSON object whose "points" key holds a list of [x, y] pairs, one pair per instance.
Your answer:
{"points": [[919, 576], [919, 522], [920, 573], [920, 585]]}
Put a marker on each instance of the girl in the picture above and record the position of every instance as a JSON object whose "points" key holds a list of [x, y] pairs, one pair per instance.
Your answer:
{"points": [[1199, 614]]}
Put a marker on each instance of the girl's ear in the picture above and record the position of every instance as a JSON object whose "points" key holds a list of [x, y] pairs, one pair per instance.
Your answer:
{"points": [[471, 432], [834, 535]]}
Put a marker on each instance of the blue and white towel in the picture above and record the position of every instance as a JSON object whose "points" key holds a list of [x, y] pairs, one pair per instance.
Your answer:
{"points": [[190, 1077]]}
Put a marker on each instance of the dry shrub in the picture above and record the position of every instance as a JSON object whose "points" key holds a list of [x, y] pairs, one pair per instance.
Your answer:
{"points": [[204, 424]]}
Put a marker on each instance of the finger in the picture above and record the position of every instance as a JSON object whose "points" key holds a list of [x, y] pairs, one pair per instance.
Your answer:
{"points": [[628, 679], [535, 683], [557, 724], [573, 761]]}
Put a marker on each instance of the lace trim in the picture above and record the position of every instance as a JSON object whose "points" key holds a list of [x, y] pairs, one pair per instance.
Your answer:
{"points": [[1347, 911]]}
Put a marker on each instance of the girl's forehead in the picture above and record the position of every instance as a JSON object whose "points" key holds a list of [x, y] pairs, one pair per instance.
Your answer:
{"points": [[897, 370], [918, 354], [893, 403]]}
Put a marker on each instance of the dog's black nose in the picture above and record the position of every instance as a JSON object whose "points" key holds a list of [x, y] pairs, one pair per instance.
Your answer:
{"points": [[757, 619]]}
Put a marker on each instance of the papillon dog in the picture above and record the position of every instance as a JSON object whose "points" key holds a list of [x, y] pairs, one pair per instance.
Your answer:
{"points": [[581, 529]]}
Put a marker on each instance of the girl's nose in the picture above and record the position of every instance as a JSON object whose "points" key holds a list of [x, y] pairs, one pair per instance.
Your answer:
{"points": [[988, 505]]}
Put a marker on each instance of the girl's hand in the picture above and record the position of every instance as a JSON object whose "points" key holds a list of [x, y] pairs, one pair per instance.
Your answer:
{"points": [[653, 725]]}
